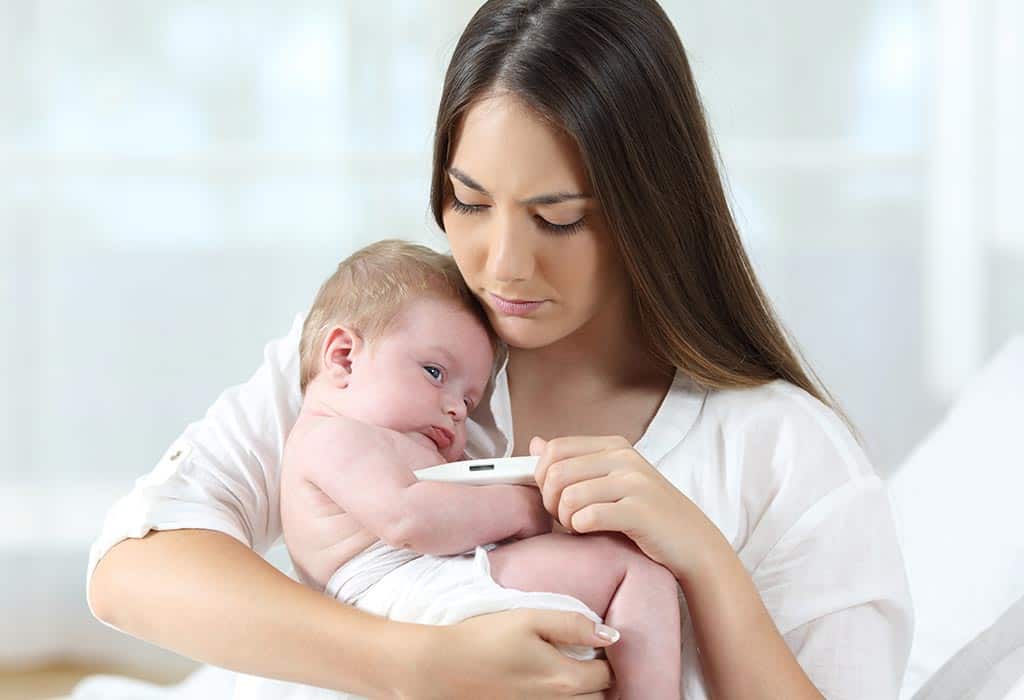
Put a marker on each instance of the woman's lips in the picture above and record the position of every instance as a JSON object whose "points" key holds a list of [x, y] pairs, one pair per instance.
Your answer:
{"points": [[514, 307]]}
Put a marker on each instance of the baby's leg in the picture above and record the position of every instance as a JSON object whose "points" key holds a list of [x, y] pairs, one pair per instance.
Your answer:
{"points": [[614, 578]]}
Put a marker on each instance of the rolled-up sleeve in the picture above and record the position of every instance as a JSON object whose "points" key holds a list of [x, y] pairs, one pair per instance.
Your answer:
{"points": [[836, 588], [223, 472], [811, 521]]}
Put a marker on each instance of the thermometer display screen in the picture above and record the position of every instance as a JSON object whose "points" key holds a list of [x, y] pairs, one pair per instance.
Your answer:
{"points": [[481, 467]]}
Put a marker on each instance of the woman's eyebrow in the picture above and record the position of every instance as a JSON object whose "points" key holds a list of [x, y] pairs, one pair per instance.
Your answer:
{"points": [[555, 198]]}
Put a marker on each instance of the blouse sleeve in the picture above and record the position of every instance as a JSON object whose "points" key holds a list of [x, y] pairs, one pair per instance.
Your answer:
{"points": [[823, 551], [223, 472], [834, 584]]}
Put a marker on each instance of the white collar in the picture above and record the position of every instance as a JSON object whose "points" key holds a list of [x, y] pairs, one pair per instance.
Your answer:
{"points": [[490, 429], [674, 418]]}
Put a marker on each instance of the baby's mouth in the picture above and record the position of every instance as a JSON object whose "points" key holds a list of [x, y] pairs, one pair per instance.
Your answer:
{"points": [[441, 437]]}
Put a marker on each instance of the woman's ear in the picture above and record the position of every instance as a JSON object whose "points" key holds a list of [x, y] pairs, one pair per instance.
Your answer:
{"points": [[340, 347]]}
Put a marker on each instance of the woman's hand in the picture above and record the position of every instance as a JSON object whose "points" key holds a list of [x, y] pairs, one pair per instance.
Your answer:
{"points": [[593, 484], [509, 655]]}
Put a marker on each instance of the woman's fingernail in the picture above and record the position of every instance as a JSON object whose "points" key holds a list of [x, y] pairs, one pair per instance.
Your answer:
{"points": [[609, 634]]}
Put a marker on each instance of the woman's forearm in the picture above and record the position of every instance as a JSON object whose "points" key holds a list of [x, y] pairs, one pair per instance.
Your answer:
{"points": [[205, 595], [742, 653]]}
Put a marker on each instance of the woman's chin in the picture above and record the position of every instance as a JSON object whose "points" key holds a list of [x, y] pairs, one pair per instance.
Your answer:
{"points": [[526, 333]]}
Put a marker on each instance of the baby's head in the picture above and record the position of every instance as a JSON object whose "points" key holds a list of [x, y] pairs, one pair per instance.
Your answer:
{"points": [[395, 339]]}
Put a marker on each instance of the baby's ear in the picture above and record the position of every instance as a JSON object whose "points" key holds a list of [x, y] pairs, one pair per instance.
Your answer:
{"points": [[338, 350]]}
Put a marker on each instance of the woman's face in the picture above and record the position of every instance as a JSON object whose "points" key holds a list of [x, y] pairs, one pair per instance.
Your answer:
{"points": [[524, 226]]}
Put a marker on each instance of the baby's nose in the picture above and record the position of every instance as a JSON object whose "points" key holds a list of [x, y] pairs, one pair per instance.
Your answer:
{"points": [[456, 409]]}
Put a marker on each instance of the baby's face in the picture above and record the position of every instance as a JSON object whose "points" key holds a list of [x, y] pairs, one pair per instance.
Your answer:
{"points": [[423, 375]]}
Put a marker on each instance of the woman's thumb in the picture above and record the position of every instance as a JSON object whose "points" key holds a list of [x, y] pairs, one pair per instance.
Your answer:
{"points": [[537, 444], [605, 633], [573, 628]]}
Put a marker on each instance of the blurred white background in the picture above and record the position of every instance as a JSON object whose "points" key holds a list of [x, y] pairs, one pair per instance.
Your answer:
{"points": [[177, 178]]}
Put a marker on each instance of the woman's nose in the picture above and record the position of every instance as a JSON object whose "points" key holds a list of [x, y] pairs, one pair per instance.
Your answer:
{"points": [[509, 253]]}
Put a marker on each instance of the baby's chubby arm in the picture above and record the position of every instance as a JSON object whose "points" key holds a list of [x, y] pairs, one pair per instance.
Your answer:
{"points": [[368, 471]]}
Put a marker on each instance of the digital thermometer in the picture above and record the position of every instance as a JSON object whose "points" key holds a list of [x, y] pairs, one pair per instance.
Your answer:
{"points": [[481, 472]]}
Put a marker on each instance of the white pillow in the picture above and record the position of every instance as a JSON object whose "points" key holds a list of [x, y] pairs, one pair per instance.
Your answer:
{"points": [[989, 668], [959, 503]]}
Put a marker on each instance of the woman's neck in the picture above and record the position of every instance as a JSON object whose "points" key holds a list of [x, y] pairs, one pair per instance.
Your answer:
{"points": [[602, 358]]}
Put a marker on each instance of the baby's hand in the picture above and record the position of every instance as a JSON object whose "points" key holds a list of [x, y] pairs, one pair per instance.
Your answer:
{"points": [[538, 520]]}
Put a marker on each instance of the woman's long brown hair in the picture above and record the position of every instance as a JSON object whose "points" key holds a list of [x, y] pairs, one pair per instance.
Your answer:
{"points": [[613, 75]]}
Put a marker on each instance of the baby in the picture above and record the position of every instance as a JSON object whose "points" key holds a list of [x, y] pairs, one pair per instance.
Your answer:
{"points": [[395, 353]]}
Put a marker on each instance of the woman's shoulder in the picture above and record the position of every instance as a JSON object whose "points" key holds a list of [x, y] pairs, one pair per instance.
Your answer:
{"points": [[785, 422], [760, 458], [779, 399]]}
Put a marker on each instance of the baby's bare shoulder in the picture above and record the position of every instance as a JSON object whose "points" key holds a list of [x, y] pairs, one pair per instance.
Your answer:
{"points": [[318, 432], [324, 440]]}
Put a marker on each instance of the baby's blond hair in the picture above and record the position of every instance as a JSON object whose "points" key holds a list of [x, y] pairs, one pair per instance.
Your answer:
{"points": [[369, 289]]}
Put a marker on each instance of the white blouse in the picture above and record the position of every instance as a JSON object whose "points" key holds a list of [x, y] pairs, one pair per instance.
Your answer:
{"points": [[773, 468]]}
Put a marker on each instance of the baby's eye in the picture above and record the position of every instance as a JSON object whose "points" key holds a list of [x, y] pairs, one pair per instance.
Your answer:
{"points": [[431, 370], [469, 404]]}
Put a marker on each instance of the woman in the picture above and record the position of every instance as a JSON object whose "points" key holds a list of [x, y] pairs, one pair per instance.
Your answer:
{"points": [[576, 184]]}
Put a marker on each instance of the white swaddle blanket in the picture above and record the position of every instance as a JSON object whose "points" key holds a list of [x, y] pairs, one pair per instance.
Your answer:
{"points": [[426, 590]]}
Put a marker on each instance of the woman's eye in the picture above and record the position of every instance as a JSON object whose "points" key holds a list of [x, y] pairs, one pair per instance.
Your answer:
{"points": [[434, 372], [559, 228], [462, 208]]}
